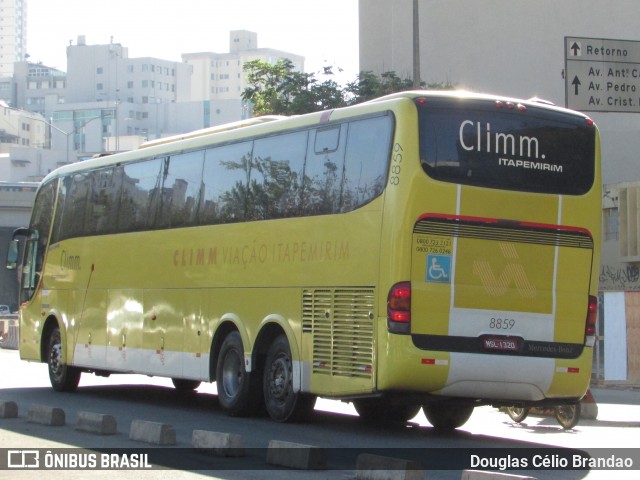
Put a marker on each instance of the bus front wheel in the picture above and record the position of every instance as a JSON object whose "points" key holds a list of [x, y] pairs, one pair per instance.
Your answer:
{"points": [[238, 390], [447, 416], [283, 404], [63, 378]]}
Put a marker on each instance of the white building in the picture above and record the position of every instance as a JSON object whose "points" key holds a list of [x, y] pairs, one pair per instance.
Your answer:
{"points": [[25, 153], [13, 34], [220, 76]]}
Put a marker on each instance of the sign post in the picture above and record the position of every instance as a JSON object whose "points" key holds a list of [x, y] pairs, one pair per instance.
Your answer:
{"points": [[602, 75]]}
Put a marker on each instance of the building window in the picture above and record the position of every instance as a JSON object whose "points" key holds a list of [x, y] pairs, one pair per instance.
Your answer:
{"points": [[610, 227], [99, 70], [99, 86]]}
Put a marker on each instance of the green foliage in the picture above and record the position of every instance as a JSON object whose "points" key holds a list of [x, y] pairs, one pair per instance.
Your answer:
{"points": [[277, 89]]}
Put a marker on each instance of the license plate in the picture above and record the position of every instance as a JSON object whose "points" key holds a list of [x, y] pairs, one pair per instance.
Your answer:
{"points": [[503, 344]]}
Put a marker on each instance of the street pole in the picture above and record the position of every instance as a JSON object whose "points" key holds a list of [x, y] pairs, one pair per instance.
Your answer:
{"points": [[416, 45]]}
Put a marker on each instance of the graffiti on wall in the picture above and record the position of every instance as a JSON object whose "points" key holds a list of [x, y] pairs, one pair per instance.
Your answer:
{"points": [[620, 277]]}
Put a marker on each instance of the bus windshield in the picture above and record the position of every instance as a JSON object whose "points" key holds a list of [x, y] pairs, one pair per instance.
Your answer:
{"points": [[520, 149]]}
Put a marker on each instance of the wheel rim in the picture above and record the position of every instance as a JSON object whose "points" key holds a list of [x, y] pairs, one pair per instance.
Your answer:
{"points": [[55, 361], [280, 378], [231, 374]]}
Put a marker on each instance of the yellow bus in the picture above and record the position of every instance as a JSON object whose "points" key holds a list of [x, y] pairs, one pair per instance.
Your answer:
{"points": [[424, 250]]}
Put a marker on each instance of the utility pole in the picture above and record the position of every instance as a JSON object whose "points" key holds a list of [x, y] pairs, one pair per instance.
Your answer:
{"points": [[416, 45]]}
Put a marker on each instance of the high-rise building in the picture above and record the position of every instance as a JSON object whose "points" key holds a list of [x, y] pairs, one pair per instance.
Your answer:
{"points": [[13, 34], [220, 76]]}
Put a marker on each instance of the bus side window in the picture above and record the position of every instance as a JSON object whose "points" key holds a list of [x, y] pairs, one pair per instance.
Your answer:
{"points": [[139, 193], [276, 174], [225, 180], [75, 205], [58, 232], [37, 241], [103, 204], [180, 190], [366, 161], [322, 187]]}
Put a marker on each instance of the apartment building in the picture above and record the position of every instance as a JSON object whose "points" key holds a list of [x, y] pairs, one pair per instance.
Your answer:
{"points": [[13, 34], [220, 76]]}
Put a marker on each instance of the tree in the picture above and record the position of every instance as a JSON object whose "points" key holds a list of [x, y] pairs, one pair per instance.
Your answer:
{"points": [[368, 86], [278, 89]]}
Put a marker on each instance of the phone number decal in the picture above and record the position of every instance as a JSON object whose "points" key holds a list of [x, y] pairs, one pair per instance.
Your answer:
{"points": [[434, 244]]}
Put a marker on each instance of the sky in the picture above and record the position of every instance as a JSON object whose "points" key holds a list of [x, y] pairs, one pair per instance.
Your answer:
{"points": [[325, 32]]}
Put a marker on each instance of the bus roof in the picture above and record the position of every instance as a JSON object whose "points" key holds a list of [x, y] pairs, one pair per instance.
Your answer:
{"points": [[216, 129], [271, 123]]}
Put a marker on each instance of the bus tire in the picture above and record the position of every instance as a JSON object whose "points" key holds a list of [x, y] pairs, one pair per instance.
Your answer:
{"points": [[567, 416], [184, 385], [445, 416], [518, 414], [63, 378], [238, 390], [380, 410], [283, 404]]}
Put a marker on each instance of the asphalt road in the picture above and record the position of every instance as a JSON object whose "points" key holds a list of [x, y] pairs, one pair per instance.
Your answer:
{"points": [[335, 427]]}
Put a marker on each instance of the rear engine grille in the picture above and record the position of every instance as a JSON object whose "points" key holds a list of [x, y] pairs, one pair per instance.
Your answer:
{"points": [[341, 324]]}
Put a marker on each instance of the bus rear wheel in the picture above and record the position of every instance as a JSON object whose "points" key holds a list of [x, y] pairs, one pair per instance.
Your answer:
{"points": [[283, 404], [381, 410], [238, 390], [185, 385], [567, 416], [63, 378], [446, 416]]}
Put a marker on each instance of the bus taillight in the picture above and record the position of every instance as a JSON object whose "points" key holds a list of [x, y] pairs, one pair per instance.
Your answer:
{"points": [[399, 308], [592, 317]]}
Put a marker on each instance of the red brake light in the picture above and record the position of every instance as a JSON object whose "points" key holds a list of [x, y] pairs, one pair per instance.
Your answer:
{"points": [[399, 308], [592, 316]]}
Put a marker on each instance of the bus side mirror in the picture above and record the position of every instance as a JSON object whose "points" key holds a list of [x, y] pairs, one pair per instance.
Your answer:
{"points": [[12, 254]]}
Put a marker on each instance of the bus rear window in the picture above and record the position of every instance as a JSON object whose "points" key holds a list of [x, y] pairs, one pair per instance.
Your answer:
{"points": [[534, 150]]}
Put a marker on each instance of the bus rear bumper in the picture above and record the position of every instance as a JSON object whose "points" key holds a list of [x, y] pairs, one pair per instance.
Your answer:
{"points": [[484, 377]]}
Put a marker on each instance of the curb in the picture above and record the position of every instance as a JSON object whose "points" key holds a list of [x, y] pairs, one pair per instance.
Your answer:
{"points": [[152, 432], [45, 415], [8, 410], [378, 467], [217, 443], [96, 423], [296, 455], [482, 475]]}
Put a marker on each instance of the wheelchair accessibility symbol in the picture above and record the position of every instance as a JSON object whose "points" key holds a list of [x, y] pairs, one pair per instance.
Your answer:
{"points": [[438, 268]]}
